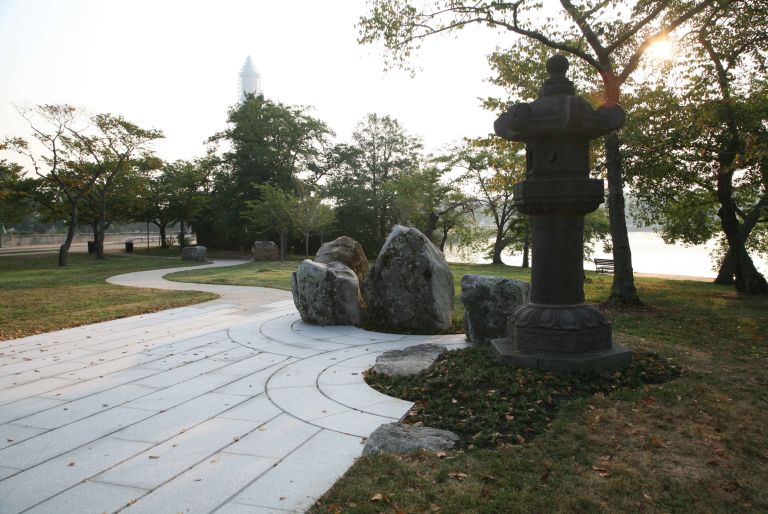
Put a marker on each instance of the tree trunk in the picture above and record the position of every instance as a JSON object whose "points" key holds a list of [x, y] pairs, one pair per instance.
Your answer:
{"points": [[182, 239], [282, 246], [64, 248], [162, 227], [747, 279], [526, 250], [623, 289], [431, 225], [725, 275], [444, 240], [102, 226], [306, 245], [727, 269], [498, 246]]}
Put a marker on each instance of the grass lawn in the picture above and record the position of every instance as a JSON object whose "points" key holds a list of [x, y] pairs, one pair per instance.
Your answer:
{"points": [[37, 296], [688, 436]]}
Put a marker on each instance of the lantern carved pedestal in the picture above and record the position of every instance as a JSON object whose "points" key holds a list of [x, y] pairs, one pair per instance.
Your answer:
{"points": [[557, 330]]}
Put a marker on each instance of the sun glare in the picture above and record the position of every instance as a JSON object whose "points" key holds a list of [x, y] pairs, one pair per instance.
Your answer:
{"points": [[662, 50]]}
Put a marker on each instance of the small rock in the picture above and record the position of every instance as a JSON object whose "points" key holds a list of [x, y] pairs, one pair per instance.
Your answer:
{"points": [[409, 361], [194, 253], [399, 438], [265, 251]]}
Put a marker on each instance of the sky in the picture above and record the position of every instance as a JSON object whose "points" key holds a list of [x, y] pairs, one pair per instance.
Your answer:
{"points": [[173, 65]]}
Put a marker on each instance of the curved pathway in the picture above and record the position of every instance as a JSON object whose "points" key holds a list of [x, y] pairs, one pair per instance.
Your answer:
{"points": [[233, 406]]}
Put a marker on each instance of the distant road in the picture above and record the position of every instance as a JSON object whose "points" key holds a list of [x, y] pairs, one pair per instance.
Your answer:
{"points": [[44, 249]]}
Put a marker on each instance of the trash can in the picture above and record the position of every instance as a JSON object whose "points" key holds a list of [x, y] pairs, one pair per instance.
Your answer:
{"points": [[129, 246], [91, 246]]}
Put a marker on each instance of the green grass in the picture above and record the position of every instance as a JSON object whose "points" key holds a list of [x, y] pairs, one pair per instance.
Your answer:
{"points": [[276, 275], [693, 444], [38, 296]]}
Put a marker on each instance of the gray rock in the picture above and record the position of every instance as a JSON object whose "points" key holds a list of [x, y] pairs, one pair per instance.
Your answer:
{"points": [[265, 251], [408, 361], [399, 438], [193, 253], [410, 286], [489, 303], [326, 294], [346, 251]]}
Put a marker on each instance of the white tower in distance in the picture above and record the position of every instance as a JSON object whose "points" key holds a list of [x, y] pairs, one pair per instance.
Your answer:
{"points": [[248, 80]]}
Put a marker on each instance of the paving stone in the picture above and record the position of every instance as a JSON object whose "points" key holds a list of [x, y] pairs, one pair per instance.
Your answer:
{"points": [[306, 403], [251, 365], [13, 434], [239, 508], [252, 384], [16, 410], [353, 422], [89, 498], [78, 409], [96, 385], [276, 438], [62, 440], [6, 472], [204, 487], [40, 483], [297, 481], [162, 462], [259, 409], [181, 417], [28, 390], [179, 393]]}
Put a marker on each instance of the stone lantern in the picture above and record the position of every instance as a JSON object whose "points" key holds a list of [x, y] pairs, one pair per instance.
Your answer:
{"points": [[557, 330]]}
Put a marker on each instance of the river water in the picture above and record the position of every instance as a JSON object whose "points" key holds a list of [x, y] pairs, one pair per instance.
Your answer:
{"points": [[649, 255]]}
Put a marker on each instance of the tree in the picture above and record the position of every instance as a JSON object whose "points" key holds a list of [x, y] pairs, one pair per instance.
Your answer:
{"points": [[714, 127], [309, 214], [14, 204], [380, 152], [493, 166], [608, 35], [272, 211], [63, 165], [270, 143], [423, 199]]}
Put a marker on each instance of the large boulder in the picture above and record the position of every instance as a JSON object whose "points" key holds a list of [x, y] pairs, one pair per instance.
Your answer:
{"points": [[489, 303], [347, 251], [410, 286], [194, 253], [326, 294], [265, 251], [400, 438]]}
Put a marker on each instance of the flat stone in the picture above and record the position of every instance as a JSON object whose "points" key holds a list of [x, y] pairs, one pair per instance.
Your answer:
{"points": [[409, 361], [194, 253], [400, 438]]}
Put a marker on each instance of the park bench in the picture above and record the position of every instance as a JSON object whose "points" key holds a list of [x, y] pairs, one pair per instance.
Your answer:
{"points": [[604, 265]]}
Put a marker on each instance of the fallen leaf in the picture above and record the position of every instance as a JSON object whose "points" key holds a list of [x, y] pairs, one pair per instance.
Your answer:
{"points": [[713, 462], [131, 502], [457, 475], [71, 464], [377, 497], [154, 457], [440, 455], [434, 508], [729, 485]]}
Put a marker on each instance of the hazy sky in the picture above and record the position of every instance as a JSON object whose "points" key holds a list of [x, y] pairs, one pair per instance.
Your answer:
{"points": [[173, 65]]}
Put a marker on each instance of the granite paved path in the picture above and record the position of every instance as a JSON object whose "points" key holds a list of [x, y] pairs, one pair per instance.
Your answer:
{"points": [[229, 406]]}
